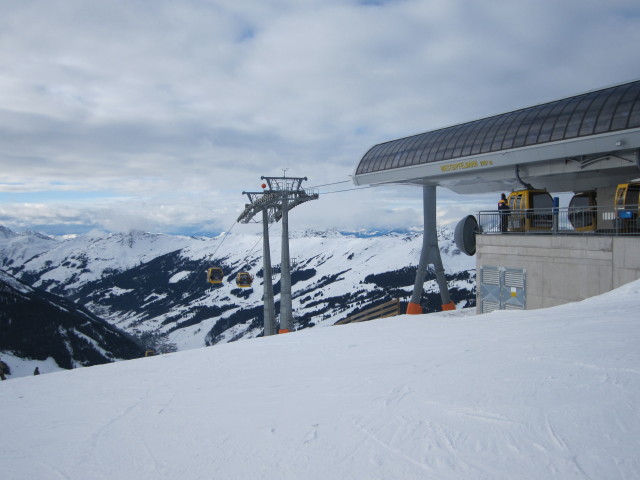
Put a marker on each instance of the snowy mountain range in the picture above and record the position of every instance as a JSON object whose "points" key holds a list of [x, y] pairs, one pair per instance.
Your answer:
{"points": [[153, 286]]}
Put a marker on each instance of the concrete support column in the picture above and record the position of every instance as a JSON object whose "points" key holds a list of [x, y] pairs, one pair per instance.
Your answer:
{"points": [[269, 308], [430, 255], [285, 276]]}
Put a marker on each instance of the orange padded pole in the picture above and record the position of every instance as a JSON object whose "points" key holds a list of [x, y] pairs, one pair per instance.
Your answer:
{"points": [[449, 306], [414, 308]]}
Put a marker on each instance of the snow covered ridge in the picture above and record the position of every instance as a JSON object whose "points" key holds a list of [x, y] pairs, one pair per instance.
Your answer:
{"points": [[545, 394], [9, 282], [152, 284]]}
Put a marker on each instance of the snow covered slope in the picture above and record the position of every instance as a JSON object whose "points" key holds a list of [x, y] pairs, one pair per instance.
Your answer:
{"points": [[154, 285], [546, 394]]}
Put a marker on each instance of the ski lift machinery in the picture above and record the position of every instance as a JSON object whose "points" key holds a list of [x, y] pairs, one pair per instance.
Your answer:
{"points": [[278, 196]]}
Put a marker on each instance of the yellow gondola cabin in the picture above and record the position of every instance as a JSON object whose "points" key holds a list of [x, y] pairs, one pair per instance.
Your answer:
{"points": [[626, 205], [530, 210], [215, 275], [244, 280], [583, 211]]}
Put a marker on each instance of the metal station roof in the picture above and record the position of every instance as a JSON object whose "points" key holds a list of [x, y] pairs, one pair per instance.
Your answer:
{"points": [[583, 142]]}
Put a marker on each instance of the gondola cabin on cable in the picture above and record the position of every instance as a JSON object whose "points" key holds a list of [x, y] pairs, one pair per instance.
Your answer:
{"points": [[583, 211], [244, 280], [215, 275], [530, 210], [626, 206]]}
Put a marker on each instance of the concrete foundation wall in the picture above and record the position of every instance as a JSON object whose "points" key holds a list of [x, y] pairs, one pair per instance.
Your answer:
{"points": [[562, 269]]}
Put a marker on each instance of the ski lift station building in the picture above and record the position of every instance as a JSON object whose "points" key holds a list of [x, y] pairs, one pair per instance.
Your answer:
{"points": [[588, 144]]}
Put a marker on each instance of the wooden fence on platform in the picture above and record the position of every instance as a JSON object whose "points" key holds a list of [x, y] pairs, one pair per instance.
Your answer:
{"points": [[387, 309]]}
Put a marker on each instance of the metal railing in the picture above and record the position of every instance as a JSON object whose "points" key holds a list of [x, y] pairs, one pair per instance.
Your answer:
{"points": [[608, 220]]}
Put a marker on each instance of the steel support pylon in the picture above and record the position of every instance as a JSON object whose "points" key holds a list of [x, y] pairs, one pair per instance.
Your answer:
{"points": [[279, 196], [286, 324], [269, 304], [430, 255]]}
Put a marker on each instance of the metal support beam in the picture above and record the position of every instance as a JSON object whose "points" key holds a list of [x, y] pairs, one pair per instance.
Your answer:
{"points": [[269, 304], [285, 275], [430, 255]]}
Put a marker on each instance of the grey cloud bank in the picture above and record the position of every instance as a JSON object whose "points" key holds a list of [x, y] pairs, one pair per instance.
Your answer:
{"points": [[159, 114]]}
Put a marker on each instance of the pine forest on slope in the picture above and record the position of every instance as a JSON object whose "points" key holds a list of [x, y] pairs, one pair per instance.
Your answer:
{"points": [[39, 325]]}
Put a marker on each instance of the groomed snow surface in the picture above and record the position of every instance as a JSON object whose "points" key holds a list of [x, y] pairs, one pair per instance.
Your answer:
{"points": [[546, 394]]}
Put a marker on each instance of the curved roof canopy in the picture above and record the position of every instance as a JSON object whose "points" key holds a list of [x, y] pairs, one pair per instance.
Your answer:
{"points": [[577, 143]]}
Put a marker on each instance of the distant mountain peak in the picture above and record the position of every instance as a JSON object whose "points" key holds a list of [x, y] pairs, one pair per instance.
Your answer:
{"points": [[32, 233], [7, 233]]}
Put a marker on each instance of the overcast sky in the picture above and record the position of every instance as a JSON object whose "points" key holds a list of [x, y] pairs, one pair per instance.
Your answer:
{"points": [[156, 115]]}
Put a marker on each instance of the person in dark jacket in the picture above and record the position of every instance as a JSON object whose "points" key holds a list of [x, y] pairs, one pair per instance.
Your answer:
{"points": [[503, 208], [36, 371], [4, 370]]}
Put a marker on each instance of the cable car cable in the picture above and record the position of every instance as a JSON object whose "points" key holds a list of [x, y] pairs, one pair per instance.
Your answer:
{"points": [[327, 184], [223, 239], [208, 258], [348, 190], [248, 283], [244, 261]]}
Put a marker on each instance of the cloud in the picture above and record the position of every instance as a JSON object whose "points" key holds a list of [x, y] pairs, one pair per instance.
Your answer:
{"points": [[180, 106]]}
